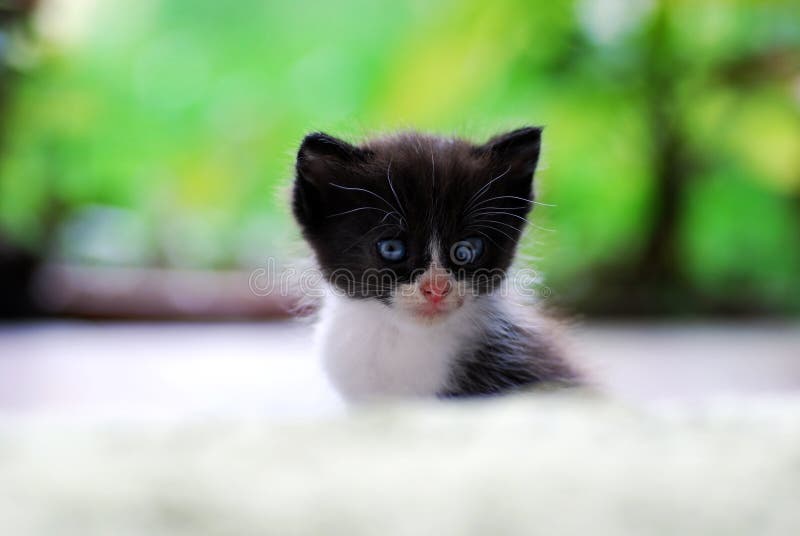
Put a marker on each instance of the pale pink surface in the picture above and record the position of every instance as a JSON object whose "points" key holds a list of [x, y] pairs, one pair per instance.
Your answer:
{"points": [[118, 370]]}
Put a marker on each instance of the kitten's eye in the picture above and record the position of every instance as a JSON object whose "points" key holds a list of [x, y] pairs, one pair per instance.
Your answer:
{"points": [[393, 250], [466, 251]]}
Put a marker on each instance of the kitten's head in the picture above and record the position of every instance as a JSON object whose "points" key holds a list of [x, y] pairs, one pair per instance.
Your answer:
{"points": [[421, 223]]}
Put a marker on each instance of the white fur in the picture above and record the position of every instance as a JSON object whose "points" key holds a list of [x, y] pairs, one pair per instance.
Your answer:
{"points": [[370, 350]]}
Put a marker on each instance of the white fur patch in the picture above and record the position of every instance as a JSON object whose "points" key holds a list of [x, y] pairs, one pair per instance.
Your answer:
{"points": [[370, 350]]}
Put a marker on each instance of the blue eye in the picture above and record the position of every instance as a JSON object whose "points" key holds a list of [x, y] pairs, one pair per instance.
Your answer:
{"points": [[393, 250], [466, 251]]}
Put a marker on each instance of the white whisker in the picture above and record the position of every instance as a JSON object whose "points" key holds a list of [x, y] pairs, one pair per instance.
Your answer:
{"points": [[499, 208], [484, 213], [365, 191], [513, 197], [487, 237], [389, 179], [357, 210], [499, 212], [500, 223], [539, 227], [513, 216], [351, 188], [477, 195], [493, 229], [395, 214], [365, 235]]}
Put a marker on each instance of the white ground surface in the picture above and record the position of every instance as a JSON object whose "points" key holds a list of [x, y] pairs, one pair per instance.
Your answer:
{"points": [[176, 371], [701, 435]]}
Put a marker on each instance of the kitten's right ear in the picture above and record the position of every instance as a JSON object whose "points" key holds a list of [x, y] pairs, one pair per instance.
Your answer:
{"points": [[320, 159], [518, 149]]}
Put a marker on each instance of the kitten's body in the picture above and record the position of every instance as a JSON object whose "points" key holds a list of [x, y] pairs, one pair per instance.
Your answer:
{"points": [[415, 234], [487, 347]]}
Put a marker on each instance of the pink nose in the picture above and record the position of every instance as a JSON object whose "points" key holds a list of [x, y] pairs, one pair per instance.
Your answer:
{"points": [[436, 288]]}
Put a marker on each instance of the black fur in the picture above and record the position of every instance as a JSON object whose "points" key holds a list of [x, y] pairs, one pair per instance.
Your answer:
{"points": [[430, 181], [508, 358]]}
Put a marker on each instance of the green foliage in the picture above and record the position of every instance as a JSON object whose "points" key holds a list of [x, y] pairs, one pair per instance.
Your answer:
{"points": [[185, 115]]}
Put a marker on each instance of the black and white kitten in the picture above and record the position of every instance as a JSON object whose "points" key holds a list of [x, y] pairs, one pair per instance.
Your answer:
{"points": [[414, 235]]}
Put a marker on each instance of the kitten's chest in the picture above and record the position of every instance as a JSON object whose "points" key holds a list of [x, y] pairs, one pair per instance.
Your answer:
{"points": [[368, 353]]}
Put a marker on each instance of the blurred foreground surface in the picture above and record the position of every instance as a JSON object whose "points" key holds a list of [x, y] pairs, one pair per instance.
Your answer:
{"points": [[154, 371], [550, 464]]}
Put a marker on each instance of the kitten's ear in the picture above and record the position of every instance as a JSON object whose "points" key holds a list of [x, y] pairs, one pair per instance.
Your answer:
{"points": [[320, 159], [517, 150], [320, 156]]}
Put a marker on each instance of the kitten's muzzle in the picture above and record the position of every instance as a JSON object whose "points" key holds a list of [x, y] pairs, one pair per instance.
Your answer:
{"points": [[436, 286]]}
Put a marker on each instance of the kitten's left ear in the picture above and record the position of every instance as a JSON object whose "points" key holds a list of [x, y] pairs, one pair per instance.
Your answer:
{"points": [[517, 150]]}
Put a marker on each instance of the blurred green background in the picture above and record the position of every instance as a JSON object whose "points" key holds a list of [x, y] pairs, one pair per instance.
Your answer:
{"points": [[162, 133]]}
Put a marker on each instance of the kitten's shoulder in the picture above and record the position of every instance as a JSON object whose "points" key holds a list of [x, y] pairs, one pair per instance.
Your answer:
{"points": [[520, 348]]}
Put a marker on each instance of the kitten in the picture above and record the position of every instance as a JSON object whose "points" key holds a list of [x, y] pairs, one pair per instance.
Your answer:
{"points": [[414, 235]]}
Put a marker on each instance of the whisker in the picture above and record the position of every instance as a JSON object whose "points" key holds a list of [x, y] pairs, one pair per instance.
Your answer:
{"points": [[487, 237], [477, 195], [389, 179], [501, 223], [513, 216], [482, 213], [514, 197], [396, 215], [540, 228], [356, 210], [493, 229], [499, 208], [365, 191], [365, 235]]}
